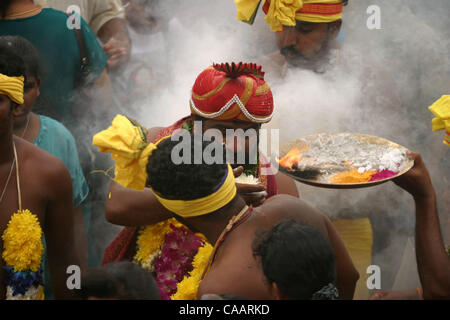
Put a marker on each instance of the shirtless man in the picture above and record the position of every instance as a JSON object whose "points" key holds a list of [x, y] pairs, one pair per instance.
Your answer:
{"points": [[46, 188], [234, 269]]}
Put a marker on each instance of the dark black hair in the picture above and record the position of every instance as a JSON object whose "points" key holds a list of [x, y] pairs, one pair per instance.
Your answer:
{"points": [[4, 5], [11, 65], [185, 181], [298, 258], [121, 280], [23, 48]]}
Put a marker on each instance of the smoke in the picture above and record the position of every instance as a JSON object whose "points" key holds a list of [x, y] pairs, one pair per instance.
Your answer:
{"points": [[381, 83]]}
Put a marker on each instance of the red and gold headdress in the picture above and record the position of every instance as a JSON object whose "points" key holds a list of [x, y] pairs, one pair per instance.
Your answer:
{"points": [[232, 92], [281, 13]]}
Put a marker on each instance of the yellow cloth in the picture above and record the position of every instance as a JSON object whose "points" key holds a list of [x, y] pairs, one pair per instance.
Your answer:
{"points": [[282, 13], [213, 202], [285, 12], [12, 87], [126, 140], [358, 239], [441, 109], [317, 17], [246, 10]]}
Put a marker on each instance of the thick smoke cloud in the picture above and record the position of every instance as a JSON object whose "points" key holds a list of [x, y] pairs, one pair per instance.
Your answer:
{"points": [[381, 84]]}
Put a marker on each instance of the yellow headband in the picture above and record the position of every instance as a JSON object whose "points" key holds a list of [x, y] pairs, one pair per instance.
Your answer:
{"points": [[198, 207], [126, 140], [12, 87], [281, 13], [441, 109]]}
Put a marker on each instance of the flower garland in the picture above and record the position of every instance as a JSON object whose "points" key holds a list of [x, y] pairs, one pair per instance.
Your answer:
{"points": [[187, 289], [175, 255], [22, 241]]}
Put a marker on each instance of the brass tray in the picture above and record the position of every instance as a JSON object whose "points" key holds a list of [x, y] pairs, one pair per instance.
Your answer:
{"points": [[309, 140]]}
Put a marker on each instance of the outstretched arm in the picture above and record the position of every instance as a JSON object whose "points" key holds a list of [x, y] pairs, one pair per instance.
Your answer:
{"points": [[432, 260], [128, 207]]}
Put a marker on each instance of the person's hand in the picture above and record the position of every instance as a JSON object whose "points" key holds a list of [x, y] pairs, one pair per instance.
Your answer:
{"points": [[395, 295], [116, 51], [417, 180], [253, 194]]}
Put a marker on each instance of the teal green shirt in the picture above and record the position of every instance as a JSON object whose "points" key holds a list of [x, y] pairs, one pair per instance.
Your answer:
{"points": [[60, 54], [54, 138]]}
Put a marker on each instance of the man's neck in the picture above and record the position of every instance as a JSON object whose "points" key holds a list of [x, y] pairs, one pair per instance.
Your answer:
{"points": [[213, 224], [20, 6], [6, 148]]}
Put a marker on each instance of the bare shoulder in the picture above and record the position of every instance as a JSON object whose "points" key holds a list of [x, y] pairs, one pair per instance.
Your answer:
{"points": [[38, 162], [153, 133], [283, 206]]}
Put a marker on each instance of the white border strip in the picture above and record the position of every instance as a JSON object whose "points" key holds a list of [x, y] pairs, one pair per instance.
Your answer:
{"points": [[227, 106]]}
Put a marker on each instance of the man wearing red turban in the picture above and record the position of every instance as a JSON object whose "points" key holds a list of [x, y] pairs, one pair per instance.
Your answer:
{"points": [[306, 30], [224, 96]]}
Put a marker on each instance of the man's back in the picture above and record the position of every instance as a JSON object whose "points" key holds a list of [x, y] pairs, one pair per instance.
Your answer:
{"points": [[236, 272]]}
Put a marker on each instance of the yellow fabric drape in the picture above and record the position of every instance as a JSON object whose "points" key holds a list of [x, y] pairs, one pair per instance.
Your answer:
{"points": [[12, 87], [286, 12], [441, 109], [126, 140], [358, 239]]}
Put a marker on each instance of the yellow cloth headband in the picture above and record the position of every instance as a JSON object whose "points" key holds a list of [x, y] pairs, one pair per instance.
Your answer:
{"points": [[281, 13], [198, 207], [12, 87], [441, 109]]}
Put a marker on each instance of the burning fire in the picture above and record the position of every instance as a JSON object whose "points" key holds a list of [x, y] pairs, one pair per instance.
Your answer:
{"points": [[291, 158]]}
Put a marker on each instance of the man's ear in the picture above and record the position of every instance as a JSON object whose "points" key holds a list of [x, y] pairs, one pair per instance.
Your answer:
{"points": [[17, 109], [277, 295], [334, 28]]}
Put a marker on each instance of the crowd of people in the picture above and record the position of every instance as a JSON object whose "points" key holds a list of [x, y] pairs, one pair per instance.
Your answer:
{"points": [[191, 230]]}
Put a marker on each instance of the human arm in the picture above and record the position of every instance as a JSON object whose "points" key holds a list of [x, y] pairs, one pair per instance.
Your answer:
{"points": [[128, 207], [433, 261], [80, 237], [412, 294], [117, 42], [59, 229], [286, 185]]}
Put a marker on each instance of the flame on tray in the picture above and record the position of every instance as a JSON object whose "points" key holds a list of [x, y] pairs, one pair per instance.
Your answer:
{"points": [[292, 157]]}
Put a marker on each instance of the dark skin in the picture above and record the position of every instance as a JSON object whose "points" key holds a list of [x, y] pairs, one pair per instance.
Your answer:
{"points": [[309, 42], [128, 207], [433, 262], [235, 271], [46, 191], [114, 35], [23, 114]]}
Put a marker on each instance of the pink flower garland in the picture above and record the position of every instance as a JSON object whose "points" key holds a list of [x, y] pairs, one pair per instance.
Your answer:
{"points": [[175, 261]]}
